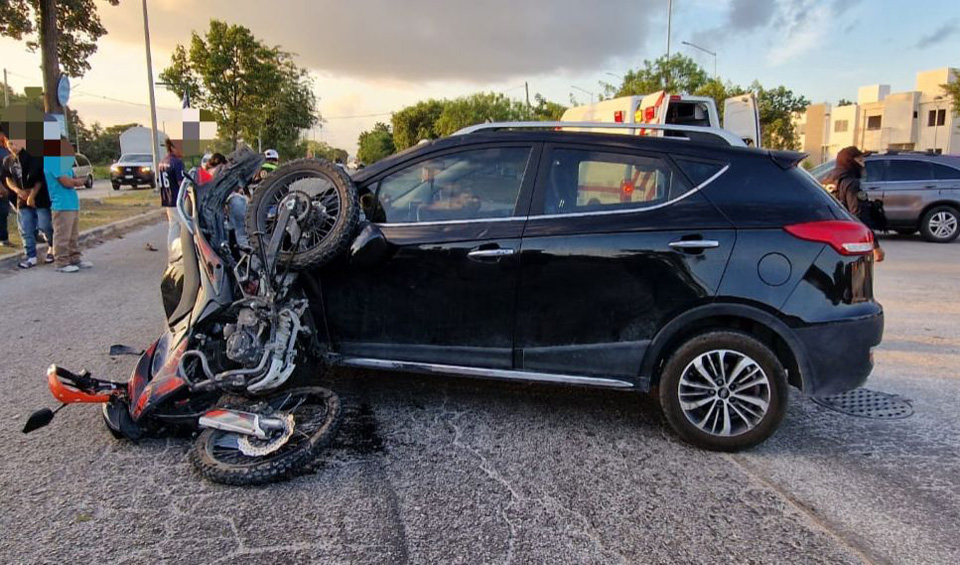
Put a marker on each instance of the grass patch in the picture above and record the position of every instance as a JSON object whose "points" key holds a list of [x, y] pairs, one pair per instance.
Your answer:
{"points": [[101, 172], [96, 212]]}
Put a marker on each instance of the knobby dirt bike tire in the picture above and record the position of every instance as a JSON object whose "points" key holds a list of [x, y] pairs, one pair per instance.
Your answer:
{"points": [[283, 467], [339, 237]]}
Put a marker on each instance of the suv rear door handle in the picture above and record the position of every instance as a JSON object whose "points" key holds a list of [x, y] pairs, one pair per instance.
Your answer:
{"points": [[483, 254], [694, 244]]}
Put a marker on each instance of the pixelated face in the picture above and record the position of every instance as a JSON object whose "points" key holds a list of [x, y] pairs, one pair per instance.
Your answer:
{"points": [[198, 130]]}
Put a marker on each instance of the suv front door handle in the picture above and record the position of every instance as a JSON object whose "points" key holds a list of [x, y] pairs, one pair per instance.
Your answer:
{"points": [[483, 254], [694, 244]]}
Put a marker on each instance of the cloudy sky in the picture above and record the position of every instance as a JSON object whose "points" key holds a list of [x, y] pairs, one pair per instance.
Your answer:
{"points": [[371, 57]]}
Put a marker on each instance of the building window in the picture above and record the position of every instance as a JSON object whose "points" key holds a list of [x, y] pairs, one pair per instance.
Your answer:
{"points": [[936, 118], [873, 122], [841, 126]]}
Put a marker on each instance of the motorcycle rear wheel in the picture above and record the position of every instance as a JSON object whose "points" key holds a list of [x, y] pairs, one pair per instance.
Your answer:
{"points": [[328, 225], [316, 412]]}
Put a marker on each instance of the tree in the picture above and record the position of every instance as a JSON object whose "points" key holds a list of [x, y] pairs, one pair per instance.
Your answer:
{"points": [[375, 144], [953, 90], [431, 119], [545, 110], [777, 107], [324, 150], [477, 109], [255, 91], [66, 31], [843, 102], [415, 123], [676, 74]]}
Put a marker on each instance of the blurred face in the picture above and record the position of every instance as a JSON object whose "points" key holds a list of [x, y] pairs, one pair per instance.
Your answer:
{"points": [[860, 161]]}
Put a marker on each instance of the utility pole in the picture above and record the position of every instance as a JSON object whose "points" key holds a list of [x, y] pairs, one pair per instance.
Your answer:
{"points": [[6, 90], [49, 56], [669, 22], [153, 100], [526, 87]]}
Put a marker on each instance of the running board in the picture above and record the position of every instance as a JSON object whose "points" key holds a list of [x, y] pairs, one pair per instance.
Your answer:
{"points": [[500, 374]]}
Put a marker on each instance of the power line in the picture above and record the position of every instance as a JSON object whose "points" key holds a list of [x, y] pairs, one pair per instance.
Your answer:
{"points": [[112, 99]]}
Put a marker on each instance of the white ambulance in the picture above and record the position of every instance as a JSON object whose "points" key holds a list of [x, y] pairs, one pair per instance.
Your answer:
{"points": [[740, 113]]}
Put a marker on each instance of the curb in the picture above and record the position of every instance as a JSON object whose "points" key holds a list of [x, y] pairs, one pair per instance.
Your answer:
{"points": [[93, 236]]}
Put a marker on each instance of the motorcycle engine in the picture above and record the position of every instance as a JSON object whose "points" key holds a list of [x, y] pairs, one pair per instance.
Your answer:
{"points": [[243, 339]]}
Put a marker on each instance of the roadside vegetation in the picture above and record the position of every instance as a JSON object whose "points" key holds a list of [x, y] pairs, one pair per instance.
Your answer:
{"points": [[96, 212]]}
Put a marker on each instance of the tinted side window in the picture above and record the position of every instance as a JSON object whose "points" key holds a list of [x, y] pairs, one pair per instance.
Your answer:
{"points": [[902, 170], [699, 171], [876, 170], [473, 184], [942, 172], [586, 181]]}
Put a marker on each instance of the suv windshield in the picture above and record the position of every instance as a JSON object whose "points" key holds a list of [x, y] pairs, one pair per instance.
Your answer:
{"points": [[136, 158]]}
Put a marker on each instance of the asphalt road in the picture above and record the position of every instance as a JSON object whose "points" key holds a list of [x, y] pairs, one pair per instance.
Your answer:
{"points": [[437, 471]]}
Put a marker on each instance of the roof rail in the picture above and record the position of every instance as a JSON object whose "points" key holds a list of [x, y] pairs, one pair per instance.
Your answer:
{"points": [[697, 131]]}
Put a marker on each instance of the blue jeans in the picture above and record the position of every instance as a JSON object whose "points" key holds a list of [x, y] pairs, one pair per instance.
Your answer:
{"points": [[237, 208], [29, 220]]}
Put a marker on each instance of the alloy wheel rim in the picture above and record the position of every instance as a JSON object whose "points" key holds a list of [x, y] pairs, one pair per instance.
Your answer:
{"points": [[943, 224], [724, 393]]}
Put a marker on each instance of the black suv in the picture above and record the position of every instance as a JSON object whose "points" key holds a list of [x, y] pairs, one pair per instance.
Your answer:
{"points": [[717, 275]]}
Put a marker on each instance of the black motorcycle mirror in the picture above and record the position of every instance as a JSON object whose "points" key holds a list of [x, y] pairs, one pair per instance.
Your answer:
{"points": [[370, 247], [40, 419]]}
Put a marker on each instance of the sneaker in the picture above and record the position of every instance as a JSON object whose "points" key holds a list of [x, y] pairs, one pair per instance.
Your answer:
{"points": [[49, 258], [84, 264], [27, 263], [68, 269]]}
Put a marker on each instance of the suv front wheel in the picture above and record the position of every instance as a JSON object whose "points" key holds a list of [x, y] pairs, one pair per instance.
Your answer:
{"points": [[940, 224], [724, 391]]}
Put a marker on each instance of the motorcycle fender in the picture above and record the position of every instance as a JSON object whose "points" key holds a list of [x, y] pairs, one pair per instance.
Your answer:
{"points": [[150, 385]]}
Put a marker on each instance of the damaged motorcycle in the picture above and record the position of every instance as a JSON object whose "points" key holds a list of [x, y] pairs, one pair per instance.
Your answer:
{"points": [[238, 325]]}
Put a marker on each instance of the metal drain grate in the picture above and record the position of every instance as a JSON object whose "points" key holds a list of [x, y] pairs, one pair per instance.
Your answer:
{"points": [[865, 403]]}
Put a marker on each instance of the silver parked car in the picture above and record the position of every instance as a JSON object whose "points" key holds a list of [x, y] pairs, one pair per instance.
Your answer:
{"points": [[82, 169], [919, 191]]}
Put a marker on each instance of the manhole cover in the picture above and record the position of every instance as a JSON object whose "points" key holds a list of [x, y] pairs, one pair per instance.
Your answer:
{"points": [[865, 403]]}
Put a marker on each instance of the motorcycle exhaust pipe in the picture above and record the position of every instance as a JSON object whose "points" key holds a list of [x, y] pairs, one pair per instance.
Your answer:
{"points": [[239, 422]]}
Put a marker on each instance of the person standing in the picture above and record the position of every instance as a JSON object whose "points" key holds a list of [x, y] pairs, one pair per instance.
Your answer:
{"points": [[846, 177], [171, 175], [5, 200], [22, 174], [65, 204]]}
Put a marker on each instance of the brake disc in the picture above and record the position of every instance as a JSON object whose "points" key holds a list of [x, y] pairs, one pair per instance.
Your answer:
{"points": [[253, 447]]}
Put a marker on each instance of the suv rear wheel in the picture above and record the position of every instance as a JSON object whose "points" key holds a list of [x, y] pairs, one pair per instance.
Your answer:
{"points": [[724, 391], [940, 224]]}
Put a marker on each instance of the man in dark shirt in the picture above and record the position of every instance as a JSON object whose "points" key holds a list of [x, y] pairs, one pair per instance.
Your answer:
{"points": [[22, 175], [171, 175]]}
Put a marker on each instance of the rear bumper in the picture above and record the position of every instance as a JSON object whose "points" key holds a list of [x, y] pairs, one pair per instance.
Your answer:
{"points": [[839, 355]]}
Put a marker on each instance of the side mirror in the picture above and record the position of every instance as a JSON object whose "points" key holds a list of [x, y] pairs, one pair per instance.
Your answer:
{"points": [[370, 247], [38, 419]]}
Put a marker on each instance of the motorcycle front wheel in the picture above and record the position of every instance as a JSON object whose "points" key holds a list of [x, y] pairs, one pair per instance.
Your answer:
{"points": [[218, 456]]}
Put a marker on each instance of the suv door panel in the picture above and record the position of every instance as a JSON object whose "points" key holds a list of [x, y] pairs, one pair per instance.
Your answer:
{"points": [[431, 301], [596, 287]]}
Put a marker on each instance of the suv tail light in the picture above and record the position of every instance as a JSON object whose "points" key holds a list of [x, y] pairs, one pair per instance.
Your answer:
{"points": [[847, 238]]}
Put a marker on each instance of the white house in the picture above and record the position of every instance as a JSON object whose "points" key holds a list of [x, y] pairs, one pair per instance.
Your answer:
{"points": [[916, 120]]}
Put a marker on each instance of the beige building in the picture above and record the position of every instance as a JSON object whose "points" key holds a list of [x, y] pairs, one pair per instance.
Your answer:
{"points": [[917, 120]]}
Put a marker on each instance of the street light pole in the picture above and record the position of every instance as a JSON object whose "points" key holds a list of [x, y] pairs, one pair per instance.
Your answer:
{"points": [[709, 52], [669, 22], [153, 100]]}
